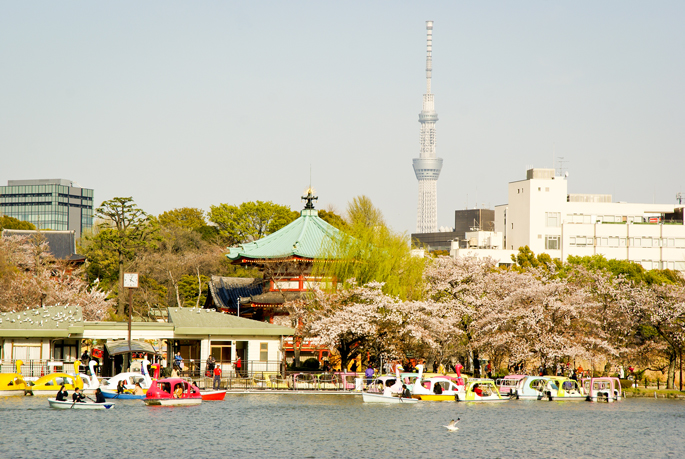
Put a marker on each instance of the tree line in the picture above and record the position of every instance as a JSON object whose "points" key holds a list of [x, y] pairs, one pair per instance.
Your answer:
{"points": [[538, 312]]}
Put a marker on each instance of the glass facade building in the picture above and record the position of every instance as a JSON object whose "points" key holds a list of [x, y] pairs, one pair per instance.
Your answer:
{"points": [[55, 204]]}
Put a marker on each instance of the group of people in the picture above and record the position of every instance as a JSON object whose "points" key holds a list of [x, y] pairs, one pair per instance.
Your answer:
{"points": [[78, 396]]}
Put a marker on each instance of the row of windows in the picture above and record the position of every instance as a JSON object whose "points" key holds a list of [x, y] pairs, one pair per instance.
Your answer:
{"points": [[24, 189], [656, 264], [583, 218], [47, 197], [32, 205], [615, 241]]}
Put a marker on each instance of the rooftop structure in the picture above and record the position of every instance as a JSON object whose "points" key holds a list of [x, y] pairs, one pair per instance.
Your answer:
{"points": [[55, 204], [542, 215]]}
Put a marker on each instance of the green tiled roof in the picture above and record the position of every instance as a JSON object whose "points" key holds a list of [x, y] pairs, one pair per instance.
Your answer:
{"points": [[305, 237], [194, 321], [50, 321]]}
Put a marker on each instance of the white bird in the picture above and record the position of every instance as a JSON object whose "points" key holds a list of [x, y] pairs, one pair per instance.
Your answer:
{"points": [[452, 426]]}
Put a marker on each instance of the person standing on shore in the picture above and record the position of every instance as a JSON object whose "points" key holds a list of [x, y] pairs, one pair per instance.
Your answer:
{"points": [[238, 366], [217, 378], [369, 374]]}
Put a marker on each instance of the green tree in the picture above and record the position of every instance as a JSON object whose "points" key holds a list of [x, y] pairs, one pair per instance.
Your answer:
{"points": [[250, 221], [184, 217], [361, 213], [371, 251], [14, 223], [125, 230], [334, 219]]}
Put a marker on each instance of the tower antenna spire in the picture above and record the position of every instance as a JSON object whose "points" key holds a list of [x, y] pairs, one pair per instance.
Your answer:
{"points": [[427, 166]]}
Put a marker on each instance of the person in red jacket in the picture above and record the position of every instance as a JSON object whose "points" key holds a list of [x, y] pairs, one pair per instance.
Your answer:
{"points": [[238, 366], [217, 377]]}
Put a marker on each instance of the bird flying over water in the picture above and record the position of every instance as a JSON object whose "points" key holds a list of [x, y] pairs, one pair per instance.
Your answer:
{"points": [[452, 426]]}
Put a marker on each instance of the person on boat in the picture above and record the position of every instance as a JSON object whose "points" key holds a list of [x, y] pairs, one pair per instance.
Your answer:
{"points": [[99, 396], [78, 397], [437, 389], [178, 391], [62, 395], [477, 390], [138, 390], [387, 391], [216, 384], [121, 387], [406, 393]]}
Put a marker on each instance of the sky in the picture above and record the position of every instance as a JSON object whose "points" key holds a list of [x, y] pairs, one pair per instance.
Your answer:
{"points": [[193, 104]]}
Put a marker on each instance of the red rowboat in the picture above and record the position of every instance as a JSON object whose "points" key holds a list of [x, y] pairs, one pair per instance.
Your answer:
{"points": [[213, 394]]}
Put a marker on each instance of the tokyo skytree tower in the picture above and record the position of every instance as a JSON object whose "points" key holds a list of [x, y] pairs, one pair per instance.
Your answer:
{"points": [[427, 166]]}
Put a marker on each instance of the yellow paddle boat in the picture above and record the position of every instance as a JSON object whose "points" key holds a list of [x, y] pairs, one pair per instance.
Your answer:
{"points": [[13, 383], [50, 384]]}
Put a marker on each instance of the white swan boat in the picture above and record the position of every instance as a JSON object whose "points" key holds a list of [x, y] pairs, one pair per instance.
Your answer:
{"points": [[380, 398], [54, 403]]}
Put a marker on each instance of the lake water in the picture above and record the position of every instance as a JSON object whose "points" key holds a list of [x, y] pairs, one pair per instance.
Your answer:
{"points": [[330, 426]]}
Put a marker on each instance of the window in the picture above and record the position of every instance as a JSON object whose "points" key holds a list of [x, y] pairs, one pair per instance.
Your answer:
{"points": [[613, 241], [680, 265], [680, 243], [646, 242], [552, 242], [263, 352], [553, 219], [581, 241], [221, 351], [546, 188]]}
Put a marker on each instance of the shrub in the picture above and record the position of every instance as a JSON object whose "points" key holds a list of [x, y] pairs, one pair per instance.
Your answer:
{"points": [[626, 383], [311, 364]]}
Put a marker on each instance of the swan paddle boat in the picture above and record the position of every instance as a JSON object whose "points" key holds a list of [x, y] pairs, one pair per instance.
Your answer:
{"points": [[126, 395], [171, 391], [130, 379], [604, 389], [562, 388], [13, 383], [530, 388], [482, 390], [54, 403], [507, 385], [379, 384], [50, 383], [91, 381], [370, 397], [438, 388]]}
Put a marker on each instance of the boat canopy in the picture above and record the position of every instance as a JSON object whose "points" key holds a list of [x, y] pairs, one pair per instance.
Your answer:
{"points": [[121, 347]]}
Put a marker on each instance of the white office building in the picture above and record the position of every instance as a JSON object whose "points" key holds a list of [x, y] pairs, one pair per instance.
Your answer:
{"points": [[544, 216]]}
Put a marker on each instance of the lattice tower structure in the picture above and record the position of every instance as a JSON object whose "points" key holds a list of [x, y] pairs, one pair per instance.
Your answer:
{"points": [[427, 166]]}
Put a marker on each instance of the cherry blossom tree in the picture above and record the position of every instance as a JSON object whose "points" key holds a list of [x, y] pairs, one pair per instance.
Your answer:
{"points": [[36, 278]]}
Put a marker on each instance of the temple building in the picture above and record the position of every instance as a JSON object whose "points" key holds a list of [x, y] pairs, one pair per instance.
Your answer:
{"points": [[285, 258]]}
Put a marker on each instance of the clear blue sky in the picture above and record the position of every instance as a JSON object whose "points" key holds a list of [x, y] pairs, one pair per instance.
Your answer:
{"points": [[198, 103]]}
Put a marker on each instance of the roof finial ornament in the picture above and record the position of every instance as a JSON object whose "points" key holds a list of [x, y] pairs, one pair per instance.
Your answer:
{"points": [[310, 198]]}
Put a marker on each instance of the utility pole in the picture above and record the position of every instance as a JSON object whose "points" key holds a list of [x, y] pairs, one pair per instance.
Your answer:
{"points": [[130, 282]]}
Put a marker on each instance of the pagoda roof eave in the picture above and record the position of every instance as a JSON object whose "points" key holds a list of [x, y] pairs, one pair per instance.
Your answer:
{"points": [[303, 240]]}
